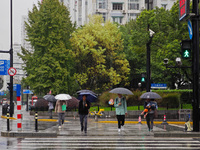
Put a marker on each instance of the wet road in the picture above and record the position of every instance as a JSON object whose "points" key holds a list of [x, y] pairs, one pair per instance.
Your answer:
{"points": [[99, 136]]}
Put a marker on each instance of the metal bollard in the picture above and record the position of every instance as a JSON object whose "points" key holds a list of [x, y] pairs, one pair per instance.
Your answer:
{"points": [[36, 121], [8, 121], [96, 118]]}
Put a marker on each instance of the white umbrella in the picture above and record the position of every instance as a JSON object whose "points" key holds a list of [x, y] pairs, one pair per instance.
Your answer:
{"points": [[63, 97], [121, 90], [150, 95]]}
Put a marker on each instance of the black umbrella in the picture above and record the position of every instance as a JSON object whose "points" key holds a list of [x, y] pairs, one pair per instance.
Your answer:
{"points": [[150, 95], [73, 103], [49, 98], [121, 90]]}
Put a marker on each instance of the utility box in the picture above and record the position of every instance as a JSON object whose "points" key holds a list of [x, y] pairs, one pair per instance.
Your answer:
{"points": [[184, 114]]}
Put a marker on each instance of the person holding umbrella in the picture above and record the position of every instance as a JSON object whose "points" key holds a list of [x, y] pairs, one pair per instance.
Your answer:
{"points": [[121, 105], [121, 110], [51, 107], [60, 108], [83, 109], [152, 105], [150, 102]]}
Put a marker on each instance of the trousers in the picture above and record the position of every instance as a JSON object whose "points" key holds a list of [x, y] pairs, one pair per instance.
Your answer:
{"points": [[149, 119], [121, 120], [83, 120]]}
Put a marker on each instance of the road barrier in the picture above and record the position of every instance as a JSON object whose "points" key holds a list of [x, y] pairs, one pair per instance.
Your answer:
{"points": [[139, 120], [19, 115], [164, 121]]}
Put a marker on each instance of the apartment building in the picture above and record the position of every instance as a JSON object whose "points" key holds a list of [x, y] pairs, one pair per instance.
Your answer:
{"points": [[120, 11]]}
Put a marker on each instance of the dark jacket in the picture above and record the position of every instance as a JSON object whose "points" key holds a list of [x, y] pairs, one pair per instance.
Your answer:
{"points": [[83, 110]]}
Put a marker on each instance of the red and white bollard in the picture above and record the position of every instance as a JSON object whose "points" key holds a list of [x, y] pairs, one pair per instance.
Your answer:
{"points": [[164, 121], [139, 120], [19, 115]]}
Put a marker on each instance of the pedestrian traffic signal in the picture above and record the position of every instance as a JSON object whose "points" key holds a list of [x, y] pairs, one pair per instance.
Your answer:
{"points": [[143, 77], [186, 53], [186, 49], [8, 86]]}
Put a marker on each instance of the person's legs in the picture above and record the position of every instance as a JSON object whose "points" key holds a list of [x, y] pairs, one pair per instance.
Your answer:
{"points": [[81, 121], [59, 118], [122, 120], [63, 118], [85, 119], [118, 119], [50, 113], [151, 117], [148, 121]]}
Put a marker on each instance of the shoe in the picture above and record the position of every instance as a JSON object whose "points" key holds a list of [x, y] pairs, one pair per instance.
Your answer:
{"points": [[122, 127], [59, 127], [119, 130]]}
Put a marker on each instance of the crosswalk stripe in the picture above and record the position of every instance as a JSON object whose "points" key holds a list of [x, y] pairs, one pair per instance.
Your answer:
{"points": [[108, 143], [168, 142]]}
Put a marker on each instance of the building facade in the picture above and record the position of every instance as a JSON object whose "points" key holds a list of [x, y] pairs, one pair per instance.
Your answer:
{"points": [[120, 11]]}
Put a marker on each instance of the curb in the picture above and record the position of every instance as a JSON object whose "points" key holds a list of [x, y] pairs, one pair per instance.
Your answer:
{"points": [[177, 134], [28, 134]]}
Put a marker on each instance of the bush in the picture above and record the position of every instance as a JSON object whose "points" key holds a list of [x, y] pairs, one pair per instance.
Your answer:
{"points": [[105, 97], [172, 99], [131, 99], [186, 97]]}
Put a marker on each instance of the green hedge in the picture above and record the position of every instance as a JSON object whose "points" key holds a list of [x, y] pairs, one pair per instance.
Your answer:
{"points": [[171, 97]]}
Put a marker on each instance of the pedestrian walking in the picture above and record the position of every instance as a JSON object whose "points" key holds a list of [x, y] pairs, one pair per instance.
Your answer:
{"points": [[60, 108], [150, 109], [51, 107], [121, 110], [83, 110]]}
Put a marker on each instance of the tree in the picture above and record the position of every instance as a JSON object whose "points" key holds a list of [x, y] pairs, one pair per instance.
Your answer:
{"points": [[169, 32], [98, 53], [49, 66]]}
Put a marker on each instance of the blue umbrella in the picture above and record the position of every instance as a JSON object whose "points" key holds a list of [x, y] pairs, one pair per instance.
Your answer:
{"points": [[90, 97]]}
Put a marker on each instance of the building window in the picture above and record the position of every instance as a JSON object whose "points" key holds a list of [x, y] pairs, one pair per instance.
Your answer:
{"points": [[117, 6], [134, 0], [133, 5], [101, 4], [117, 19]]}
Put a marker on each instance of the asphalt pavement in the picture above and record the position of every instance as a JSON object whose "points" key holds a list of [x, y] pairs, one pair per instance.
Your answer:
{"points": [[101, 127]]}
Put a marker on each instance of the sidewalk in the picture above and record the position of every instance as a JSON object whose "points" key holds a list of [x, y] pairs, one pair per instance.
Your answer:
{"points": [[103, 127]]}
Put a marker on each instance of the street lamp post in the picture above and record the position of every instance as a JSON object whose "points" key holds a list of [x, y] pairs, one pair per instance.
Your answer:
{"points": [[148, 63]]}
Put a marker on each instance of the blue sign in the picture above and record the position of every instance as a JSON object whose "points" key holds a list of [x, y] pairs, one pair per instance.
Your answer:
{"points": [[158, 85], [1, 93], [14, 87], [18, 89], [27, 92], [190, 29], [4, 66]]}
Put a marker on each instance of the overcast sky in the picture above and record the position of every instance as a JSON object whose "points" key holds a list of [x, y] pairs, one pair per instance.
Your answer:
{"points": [[20, 8]]}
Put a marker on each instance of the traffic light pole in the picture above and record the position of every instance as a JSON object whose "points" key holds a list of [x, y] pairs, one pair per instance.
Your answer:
{"points": [[11, 64], [148, 58], [195, 63]]}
